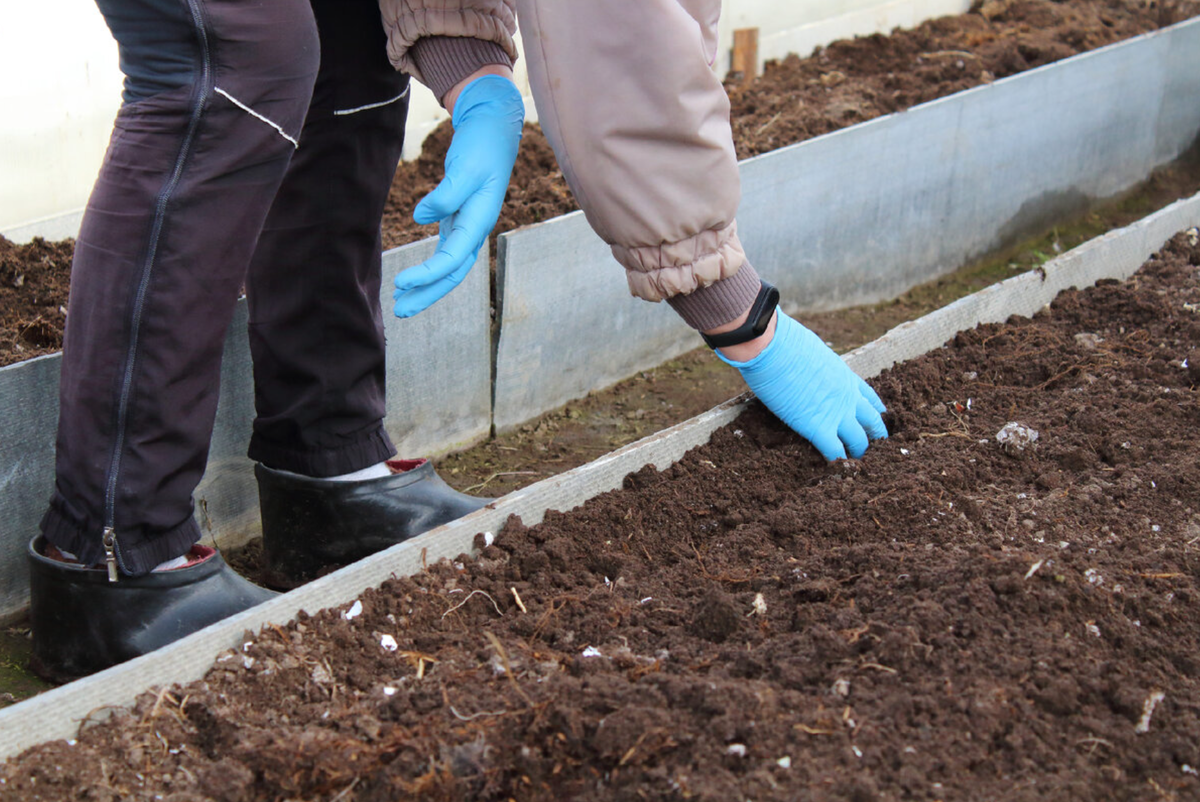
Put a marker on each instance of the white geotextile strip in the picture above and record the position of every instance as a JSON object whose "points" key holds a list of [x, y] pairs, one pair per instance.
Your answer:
{"points": [[57, 714]]}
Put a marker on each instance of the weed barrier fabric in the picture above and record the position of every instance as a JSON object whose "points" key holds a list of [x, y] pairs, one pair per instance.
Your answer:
{"points": [[962, 614]]}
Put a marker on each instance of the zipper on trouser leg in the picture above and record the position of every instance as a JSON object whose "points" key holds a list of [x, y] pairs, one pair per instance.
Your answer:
{"points": [[112, 553]]}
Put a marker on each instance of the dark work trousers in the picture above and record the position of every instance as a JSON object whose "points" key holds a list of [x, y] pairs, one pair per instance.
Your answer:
{"points": [[219, 175]]}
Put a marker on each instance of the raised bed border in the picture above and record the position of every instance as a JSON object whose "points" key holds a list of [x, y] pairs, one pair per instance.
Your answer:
{"points": [[862, 214], [431, 409], [59, 713]]}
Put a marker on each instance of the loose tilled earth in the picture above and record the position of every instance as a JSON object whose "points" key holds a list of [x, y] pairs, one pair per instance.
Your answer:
{"points": [[845, 83], [951, 617]]}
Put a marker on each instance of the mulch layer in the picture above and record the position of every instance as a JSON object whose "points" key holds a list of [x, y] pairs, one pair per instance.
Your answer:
{"points": [[969, 612], [797, 98]]}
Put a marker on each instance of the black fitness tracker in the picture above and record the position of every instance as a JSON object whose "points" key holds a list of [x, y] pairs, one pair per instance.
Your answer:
{"points": [[756, 323]]}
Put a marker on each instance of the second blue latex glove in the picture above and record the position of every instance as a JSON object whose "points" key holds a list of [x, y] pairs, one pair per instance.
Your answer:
{"points": [[810, 388], [488, 119]]}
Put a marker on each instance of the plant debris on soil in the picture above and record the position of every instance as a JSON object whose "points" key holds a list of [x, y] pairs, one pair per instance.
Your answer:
{"points": [[34, 279], [795, 99], [999, 602]]}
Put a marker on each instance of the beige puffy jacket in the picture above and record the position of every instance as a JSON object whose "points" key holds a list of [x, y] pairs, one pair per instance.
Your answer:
{"points": [[639, 123]]}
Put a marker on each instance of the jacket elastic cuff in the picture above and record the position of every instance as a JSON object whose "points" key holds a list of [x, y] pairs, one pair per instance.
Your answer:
{"points": [[446, 60], [719, 302]]}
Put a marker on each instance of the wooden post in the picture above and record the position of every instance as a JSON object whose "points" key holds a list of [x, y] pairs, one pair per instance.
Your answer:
{"points": [[745, 52]]}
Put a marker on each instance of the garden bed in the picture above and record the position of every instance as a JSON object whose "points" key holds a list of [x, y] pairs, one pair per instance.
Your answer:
{"points": [[840, 85], [952, 617]]}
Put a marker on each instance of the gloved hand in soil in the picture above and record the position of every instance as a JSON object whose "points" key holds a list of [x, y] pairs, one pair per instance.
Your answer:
{"points": [[488, 119], [810, 388]]}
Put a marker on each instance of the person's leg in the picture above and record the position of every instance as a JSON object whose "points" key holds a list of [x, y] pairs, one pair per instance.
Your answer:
{"points": [[216, 93], [316, 327]]}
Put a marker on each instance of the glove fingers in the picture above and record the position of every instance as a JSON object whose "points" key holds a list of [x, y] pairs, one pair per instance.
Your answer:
{"points": [[852, 434], [871, 396], [445, 199], [413, 297], [445, 226], [421, 298], [455, 249], [441, 264], [417, 299], [829, 445], [869, 419], [480, 211]]}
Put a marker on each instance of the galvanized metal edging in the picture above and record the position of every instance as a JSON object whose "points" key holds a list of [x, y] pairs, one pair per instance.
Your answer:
{"points": [[862, 214], [58, 713], [431, 409], [1117, 255]]}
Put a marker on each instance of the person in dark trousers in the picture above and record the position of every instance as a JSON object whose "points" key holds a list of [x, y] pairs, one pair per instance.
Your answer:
{"points": [[255, 147], [257, 144]]}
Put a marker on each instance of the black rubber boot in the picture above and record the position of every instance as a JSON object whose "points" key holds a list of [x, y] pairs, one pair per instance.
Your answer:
{"points": [[313, 525], [82, 623]]}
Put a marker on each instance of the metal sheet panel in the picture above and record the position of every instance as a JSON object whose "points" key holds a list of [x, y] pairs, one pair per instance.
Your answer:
{"points": [[862, 214], [568, 322], [28, 423], [57, 714], [1179, 118], [1116, 255], [865, 213], [439, 384]]}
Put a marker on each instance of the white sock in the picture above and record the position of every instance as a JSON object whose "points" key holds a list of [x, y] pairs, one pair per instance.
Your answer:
{"points": [[178, 562], [374, 472]]}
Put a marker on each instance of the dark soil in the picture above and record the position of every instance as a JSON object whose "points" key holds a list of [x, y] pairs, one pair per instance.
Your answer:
{"points": [[837, 86], [949, 618], [859, 79], [34, 279]]}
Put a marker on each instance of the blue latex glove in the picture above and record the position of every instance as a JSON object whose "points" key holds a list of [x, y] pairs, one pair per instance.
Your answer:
{"points": [[488, 119], [810, 388]]}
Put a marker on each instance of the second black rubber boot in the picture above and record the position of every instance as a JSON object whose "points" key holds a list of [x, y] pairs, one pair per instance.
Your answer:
{"points": [[313, 525], [83, 623]]}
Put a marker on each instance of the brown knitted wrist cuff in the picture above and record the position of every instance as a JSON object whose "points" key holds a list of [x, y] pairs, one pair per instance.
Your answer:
{"points": [[446, 60], [719, 302]]}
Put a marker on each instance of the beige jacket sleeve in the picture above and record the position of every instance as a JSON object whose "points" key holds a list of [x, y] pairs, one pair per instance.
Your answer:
{"points": [[640, 125]]}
